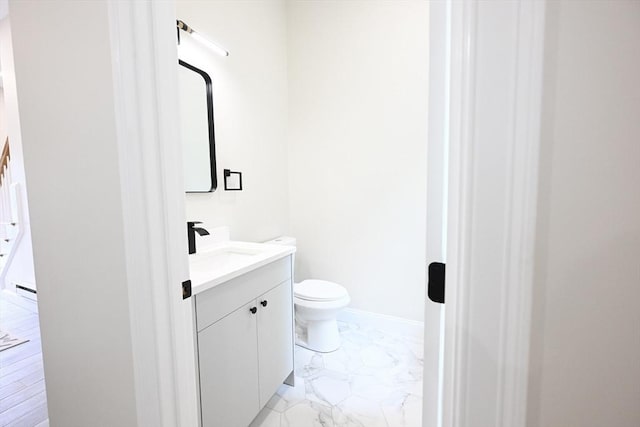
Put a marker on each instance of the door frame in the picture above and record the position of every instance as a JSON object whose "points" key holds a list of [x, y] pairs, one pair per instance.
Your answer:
{"points": [[146, 86], [144, 63], [494, 50]]}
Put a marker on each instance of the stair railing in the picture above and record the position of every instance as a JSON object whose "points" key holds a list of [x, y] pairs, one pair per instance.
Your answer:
{"points": [[8, 223], [4, 161]]}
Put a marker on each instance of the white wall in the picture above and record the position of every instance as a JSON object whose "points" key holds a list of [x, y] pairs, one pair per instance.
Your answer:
{"points": [[66, 98], [250, 112], [3, 116], [585, 361], [358, 74], [20, 267]]}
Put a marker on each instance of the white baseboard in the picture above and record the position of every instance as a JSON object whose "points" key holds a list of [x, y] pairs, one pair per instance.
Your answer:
{"points": [[390, 324]]}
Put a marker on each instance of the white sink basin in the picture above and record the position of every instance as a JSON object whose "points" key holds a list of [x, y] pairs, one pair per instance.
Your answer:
{"points": [[220, 257], [225, 261]]}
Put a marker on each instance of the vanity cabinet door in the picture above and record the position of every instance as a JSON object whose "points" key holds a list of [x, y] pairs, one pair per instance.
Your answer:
{"points": [[275, 339], [228, 363]]}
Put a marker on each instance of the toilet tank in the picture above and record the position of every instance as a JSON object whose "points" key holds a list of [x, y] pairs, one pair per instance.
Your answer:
{"points": [[286, 241], [283, 240]]}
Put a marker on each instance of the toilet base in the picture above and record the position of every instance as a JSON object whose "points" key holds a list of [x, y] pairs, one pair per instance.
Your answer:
{"points": [[321, 336]]}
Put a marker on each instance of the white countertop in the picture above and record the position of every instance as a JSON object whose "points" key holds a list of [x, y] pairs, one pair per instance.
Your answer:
{"points": [[227, 260]]}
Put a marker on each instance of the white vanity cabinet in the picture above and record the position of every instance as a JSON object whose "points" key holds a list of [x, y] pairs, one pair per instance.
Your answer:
{"points": [[245, 343]]}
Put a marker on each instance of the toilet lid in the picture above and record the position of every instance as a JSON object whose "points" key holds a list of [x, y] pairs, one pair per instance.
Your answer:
{"points": [[319, 290]]}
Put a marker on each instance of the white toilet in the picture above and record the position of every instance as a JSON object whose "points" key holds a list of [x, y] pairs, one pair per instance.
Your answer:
{"points": [[317, 304]]}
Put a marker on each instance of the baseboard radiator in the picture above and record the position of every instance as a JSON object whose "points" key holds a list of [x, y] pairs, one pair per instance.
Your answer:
{"points": [[27, 291]]}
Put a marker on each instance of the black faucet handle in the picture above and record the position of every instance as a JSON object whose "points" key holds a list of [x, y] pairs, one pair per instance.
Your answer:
{"points": [[201, 231], [191, 234]]}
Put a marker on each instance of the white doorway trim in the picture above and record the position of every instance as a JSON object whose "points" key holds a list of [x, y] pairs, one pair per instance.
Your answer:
{"points": [[145, 86], [495, 77], [110, 258]]}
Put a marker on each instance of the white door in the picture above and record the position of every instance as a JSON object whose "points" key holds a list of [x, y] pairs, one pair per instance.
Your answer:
{"points": [[436, 209]]}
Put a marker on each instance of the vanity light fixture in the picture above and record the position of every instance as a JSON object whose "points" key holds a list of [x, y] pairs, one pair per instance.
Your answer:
{"points": [[211, 45]]}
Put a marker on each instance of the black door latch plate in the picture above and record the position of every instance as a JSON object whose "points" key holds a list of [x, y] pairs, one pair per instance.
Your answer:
{"points": [[186, 289], [435, 288]]}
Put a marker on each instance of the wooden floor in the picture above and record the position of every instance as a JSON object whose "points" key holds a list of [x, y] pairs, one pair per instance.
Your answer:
{"points": [[23, 402]]}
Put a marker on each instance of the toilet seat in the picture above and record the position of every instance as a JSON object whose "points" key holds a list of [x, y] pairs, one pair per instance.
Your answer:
{"points": [[319, 291], [322, 305]]}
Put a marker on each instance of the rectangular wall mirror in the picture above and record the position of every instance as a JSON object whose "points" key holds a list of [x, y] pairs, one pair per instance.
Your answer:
{"points": [[196, 129]]}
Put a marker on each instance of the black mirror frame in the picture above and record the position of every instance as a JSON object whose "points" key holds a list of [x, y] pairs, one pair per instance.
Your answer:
{"points": [[212, 140]]}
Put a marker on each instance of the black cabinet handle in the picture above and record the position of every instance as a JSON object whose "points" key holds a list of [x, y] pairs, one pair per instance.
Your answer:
{"points": [[264, 303], [253, 310]]}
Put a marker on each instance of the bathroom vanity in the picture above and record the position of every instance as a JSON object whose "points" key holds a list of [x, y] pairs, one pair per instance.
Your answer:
{"points": [[243, 305]]}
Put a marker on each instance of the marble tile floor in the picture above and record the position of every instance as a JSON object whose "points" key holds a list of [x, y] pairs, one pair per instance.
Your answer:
{"points": [[373, 380]]}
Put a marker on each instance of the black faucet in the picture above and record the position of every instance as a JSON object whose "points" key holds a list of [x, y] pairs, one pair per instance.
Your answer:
{"points": [[191, 234]]}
